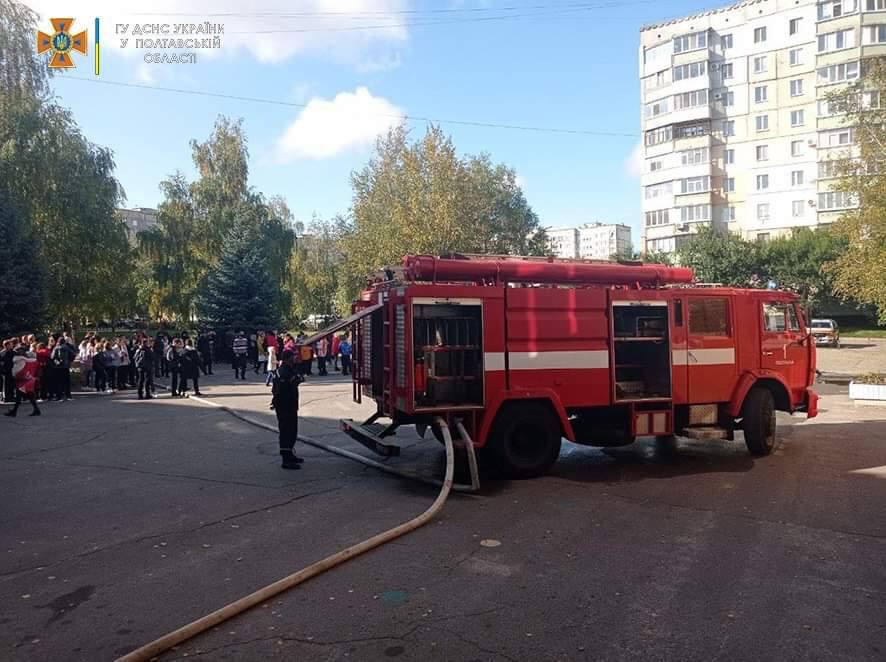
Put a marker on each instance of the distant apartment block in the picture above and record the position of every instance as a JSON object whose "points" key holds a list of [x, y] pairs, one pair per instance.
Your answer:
{"points": [[736, 130], [592, 241], [137, 220]]}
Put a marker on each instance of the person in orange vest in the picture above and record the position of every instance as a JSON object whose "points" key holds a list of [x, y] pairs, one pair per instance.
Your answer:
{"points": [[306, 354]]}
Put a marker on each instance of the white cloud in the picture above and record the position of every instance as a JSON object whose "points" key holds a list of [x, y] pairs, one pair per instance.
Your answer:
{"points": [[634, 163], [327, 128], [306, 26]]}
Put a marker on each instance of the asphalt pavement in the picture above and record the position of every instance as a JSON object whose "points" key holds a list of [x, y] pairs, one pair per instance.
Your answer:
{"points": [[124, 519]]}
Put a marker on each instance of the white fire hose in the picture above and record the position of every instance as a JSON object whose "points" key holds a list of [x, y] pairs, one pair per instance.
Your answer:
{"points": [[167, 641]]}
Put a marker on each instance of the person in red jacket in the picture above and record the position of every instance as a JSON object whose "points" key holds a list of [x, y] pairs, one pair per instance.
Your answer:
{"points": [[24, 371], [336, 341], [43, 353]]}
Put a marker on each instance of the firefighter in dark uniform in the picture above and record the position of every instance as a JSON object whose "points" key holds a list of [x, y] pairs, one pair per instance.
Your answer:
{"points": [[285, 405]]}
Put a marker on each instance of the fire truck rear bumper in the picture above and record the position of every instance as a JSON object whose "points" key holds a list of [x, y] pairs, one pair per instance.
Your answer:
{"points": [[810, 403]]}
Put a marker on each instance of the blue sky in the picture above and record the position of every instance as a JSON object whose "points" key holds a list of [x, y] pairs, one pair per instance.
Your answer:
{"points": [[571, 70]]}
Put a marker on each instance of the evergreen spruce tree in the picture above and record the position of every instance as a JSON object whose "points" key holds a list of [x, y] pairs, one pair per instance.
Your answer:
{"points": [[239, 288], [22, 275]]}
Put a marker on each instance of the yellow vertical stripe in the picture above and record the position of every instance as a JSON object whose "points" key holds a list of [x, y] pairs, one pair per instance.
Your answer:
{"points": [[96, 59]]}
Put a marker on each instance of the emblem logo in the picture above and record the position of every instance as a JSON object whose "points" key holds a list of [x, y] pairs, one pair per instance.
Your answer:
{"points": [[61, 43]]}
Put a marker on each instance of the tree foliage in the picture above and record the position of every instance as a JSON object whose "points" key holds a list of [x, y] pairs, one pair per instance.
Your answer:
{"points": [[196, 221], [22, 277], [62, 185], [860, 271], [238, 287], [718, 256], [422, 197], [797, 262], [316, 270]]}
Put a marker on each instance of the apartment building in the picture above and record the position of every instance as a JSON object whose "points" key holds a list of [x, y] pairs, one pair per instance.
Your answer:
{"points": [[137, 220], [591, 241], [736, 131]]}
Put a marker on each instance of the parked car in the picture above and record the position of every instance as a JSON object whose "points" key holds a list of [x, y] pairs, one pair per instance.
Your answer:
{"points": [[826, 332]]}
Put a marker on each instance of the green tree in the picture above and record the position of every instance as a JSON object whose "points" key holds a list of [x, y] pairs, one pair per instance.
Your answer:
{"points": [[718, 256], [421, 197], [239, 288], [22, 286], [316, 271], [797, 262], [62, 184], [860, 271]]}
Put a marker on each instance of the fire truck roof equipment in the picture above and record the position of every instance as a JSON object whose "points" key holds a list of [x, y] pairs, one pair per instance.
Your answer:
{"points": [[541, 270]]}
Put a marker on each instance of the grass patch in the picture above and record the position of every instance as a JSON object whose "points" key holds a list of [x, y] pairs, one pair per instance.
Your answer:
{"points": [[874, 332]]}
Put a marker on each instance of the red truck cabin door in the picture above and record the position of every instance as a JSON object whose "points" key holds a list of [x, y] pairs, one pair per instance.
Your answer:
{"points": [[710, 358], [783, 345]]}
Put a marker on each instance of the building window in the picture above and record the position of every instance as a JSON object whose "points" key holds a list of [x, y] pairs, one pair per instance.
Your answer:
{"points": [[795, 56], [695, 213], [658, 136], [690, 130], [659, 190], [759, 35], [726, 71], [761, 94], [762, 152], [797, 87], [708, 316], [798, 208], [762, 182], [873, 34], [690, 42], [657, 108], [726, 97], [835, 41], [759, 64], [729, 213], [763, 211], [690, 99], [726, 41], [796, 178], [659, 217], [794, 26], [692, 70], [729, 128], [836, 200], [837, 73], [729, 185], [876, 5], [695, 184], [796, 148], [827, 169], [798, 117], [729, 156], [694, 156], [762, 237], [838, 137], [836, 8], [762, 122], [654, 166]]}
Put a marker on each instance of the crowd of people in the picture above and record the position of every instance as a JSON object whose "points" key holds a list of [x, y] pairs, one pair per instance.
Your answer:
{"points": [[38, 371]]}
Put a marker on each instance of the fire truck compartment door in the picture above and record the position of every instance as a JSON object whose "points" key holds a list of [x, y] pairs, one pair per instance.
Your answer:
{"points": [[783, 346], [342, 324], [711, 355]]}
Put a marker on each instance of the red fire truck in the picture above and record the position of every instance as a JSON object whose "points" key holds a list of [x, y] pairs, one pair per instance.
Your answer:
{"points": [[518, 353]]}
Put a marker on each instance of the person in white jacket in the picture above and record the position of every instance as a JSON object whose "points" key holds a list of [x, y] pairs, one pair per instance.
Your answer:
{"points": [[24, 372], [272, 363]]}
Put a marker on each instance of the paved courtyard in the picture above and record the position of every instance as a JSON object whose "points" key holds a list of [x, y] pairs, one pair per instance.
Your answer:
{"points": [[123, 519], [856, 356]]}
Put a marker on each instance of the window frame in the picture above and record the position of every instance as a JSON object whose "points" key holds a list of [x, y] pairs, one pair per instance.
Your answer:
{"points": [[694, 302]]}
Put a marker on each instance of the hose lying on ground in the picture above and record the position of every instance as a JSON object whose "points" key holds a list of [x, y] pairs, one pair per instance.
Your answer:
{"points": [[194, 628]]}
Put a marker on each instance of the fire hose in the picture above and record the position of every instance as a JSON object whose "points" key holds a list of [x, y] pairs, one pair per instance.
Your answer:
{"points": [[167, 641]]}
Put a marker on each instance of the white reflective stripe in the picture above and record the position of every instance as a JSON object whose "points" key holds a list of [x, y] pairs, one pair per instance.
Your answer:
{"points": [[639, 302], [720, 356], [494, 360], [597, 358], [426, 301]]}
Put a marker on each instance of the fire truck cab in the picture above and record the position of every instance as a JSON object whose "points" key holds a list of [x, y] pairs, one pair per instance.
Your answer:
{"points": [[524, 352]]}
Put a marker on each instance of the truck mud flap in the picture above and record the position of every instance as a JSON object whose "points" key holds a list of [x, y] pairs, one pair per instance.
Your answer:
{"points": [[362, 434]]}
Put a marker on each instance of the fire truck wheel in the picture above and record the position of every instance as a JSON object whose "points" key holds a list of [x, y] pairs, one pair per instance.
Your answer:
{"points": [[758, 421], [525, 442]]}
